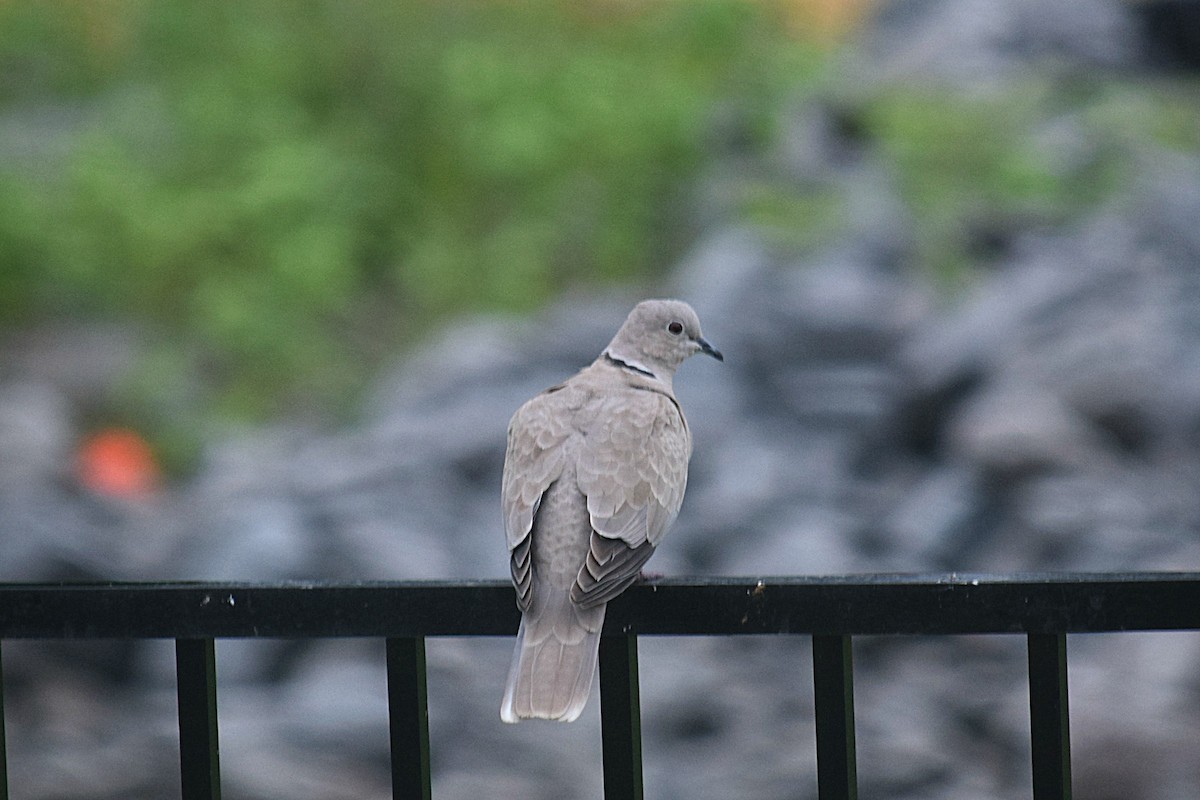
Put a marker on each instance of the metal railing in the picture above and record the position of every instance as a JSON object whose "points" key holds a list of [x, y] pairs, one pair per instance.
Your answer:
{"points": [[1044, 608]]}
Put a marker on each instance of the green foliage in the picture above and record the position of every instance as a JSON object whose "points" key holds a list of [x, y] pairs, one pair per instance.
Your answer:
{"points": [[1035, 153], [1165, 114], [791, 218], [963, 162], [289, 190]]}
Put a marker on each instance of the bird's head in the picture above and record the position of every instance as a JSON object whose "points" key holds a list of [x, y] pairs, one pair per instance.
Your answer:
{"points": [[658, 335]]}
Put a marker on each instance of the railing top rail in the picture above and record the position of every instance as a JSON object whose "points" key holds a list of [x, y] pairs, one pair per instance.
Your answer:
{"points": [[950, 603]]}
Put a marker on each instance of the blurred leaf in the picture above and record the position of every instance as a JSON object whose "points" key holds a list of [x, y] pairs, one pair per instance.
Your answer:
{"points": [[288, 190]]}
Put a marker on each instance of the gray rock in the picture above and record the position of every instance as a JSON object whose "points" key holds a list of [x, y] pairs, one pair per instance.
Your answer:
{"points": [[1016, 429], [973, 42], [36, 434]]}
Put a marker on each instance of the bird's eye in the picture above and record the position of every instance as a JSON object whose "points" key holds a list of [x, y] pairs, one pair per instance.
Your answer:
{"points": [[675, 328]]}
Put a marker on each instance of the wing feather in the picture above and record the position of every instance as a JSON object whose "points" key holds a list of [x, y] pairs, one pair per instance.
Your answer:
{"points": [[632, 466], [610, 568], [534, 459]]}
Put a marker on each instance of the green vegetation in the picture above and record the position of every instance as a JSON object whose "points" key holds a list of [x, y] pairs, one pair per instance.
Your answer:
{"points": [[791, 217], [286, 191], [1033, 154]]}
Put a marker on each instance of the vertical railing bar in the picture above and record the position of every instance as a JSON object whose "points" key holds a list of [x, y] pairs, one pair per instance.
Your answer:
{"points": [[196, 686], [833, 689], [620, 717], [408, 717], [3, 737], [1049, 716]]}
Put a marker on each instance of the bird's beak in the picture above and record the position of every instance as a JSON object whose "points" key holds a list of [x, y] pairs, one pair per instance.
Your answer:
{"points": [[708, 349]]}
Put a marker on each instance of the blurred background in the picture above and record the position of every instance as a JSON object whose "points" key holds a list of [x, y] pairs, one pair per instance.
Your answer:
{"points": [[274, 275]]}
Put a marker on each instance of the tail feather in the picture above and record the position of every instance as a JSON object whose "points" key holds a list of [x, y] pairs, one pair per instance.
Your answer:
{"points": [[555, 659]]}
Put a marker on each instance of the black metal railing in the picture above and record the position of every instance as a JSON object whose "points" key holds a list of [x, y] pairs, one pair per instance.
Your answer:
{"points": [[1044, 608]]}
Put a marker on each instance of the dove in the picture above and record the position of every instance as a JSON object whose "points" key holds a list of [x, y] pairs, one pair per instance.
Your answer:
{"points": [[594, 475]]}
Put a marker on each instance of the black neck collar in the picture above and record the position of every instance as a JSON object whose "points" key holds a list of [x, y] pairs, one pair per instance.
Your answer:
{"points": [[626, 365]]}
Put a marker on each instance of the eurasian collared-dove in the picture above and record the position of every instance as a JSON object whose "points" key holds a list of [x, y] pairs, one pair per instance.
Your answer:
{"points": [[593, 477]]}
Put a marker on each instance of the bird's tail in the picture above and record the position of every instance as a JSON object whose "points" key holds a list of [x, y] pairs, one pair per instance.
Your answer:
{"points": [[555, 659]]}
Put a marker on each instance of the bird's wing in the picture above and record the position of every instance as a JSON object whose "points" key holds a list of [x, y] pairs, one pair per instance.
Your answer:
{"points": [[632, 467], [534, 459]]}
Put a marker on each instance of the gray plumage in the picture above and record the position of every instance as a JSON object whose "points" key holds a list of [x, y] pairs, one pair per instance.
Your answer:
{"points": [[594, 475]]}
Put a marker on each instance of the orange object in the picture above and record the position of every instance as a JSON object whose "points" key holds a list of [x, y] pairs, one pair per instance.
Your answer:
{"points": [[118, 462]]}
